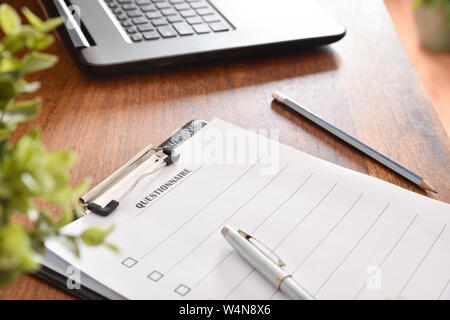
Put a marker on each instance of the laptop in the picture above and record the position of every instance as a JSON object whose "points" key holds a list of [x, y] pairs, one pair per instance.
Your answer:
{"points": [[126, 35]]}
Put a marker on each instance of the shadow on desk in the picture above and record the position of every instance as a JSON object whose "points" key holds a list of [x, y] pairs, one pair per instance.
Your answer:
{"points": [[218, 75], [334, 150]]}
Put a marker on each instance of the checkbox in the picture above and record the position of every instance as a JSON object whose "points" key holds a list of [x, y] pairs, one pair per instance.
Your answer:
{"points": [[182, 290], [155, 276], [129, 262]]}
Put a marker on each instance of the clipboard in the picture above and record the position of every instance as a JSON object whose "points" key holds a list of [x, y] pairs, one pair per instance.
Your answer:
{"points": [[350, 220], [162, 155]]}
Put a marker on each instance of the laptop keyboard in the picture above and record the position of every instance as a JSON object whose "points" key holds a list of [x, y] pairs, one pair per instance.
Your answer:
{"points": [[148, 20]]}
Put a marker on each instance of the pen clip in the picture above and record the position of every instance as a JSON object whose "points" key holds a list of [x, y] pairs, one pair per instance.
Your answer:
{"points": [[248, 236]]}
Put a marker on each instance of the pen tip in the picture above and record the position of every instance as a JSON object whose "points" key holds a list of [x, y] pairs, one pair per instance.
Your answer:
{"points": [[225, 229]]}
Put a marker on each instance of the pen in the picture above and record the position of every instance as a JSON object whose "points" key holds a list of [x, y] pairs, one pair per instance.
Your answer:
{"points": [[414, 178], [266, 266]]}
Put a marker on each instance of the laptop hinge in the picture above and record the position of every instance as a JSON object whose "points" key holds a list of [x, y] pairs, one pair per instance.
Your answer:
{"points": [[73, 27]]}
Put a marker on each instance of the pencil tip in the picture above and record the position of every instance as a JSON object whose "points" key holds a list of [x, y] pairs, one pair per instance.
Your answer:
{"points": [[426, 186], [278, 96]]}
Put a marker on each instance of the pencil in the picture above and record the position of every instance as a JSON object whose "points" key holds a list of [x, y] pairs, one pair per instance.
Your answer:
{"points": [[409, 175]]}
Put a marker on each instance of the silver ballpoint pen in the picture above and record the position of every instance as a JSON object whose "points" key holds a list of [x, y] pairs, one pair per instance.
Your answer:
{"points": [[271, 270]]}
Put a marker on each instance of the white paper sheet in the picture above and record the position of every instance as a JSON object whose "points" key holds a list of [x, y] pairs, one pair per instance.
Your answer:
{"points": [[344, 235]]}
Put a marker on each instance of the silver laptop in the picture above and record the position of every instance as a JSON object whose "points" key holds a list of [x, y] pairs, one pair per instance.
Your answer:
{"points": [[125, 35]]}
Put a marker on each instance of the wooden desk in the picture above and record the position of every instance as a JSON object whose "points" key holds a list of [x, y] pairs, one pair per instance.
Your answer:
{"points": [[364, 84]]}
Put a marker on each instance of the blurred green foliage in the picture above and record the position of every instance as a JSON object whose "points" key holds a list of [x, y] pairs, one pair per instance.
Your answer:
{"points": [[27, 171], [438, 4]]}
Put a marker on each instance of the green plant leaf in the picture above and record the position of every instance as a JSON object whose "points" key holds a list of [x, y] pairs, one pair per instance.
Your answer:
{"points": [[59, 161], [71, 243], [20, 38], [82, 187], [22, 111], [40, 42], [35, 134], [112, 247], [33, 19], [8, 88], [43, 26], [37, 61], [5, 191], [5, 103], [14, 43], [95, 236], [447, 13], [29, 175], [16, 252], [29, 87], [417, 3], [436, 3], [52, 24], [6, 128], [9, 19], [10, 64], [66, 218], [44, 228], [47, 218]]}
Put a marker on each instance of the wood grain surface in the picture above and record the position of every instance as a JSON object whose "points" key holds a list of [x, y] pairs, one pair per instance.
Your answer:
{"points": [[363, 84]]}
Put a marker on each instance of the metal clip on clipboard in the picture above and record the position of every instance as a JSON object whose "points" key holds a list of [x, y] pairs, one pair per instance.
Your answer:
{"points": [[159, 157]]}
